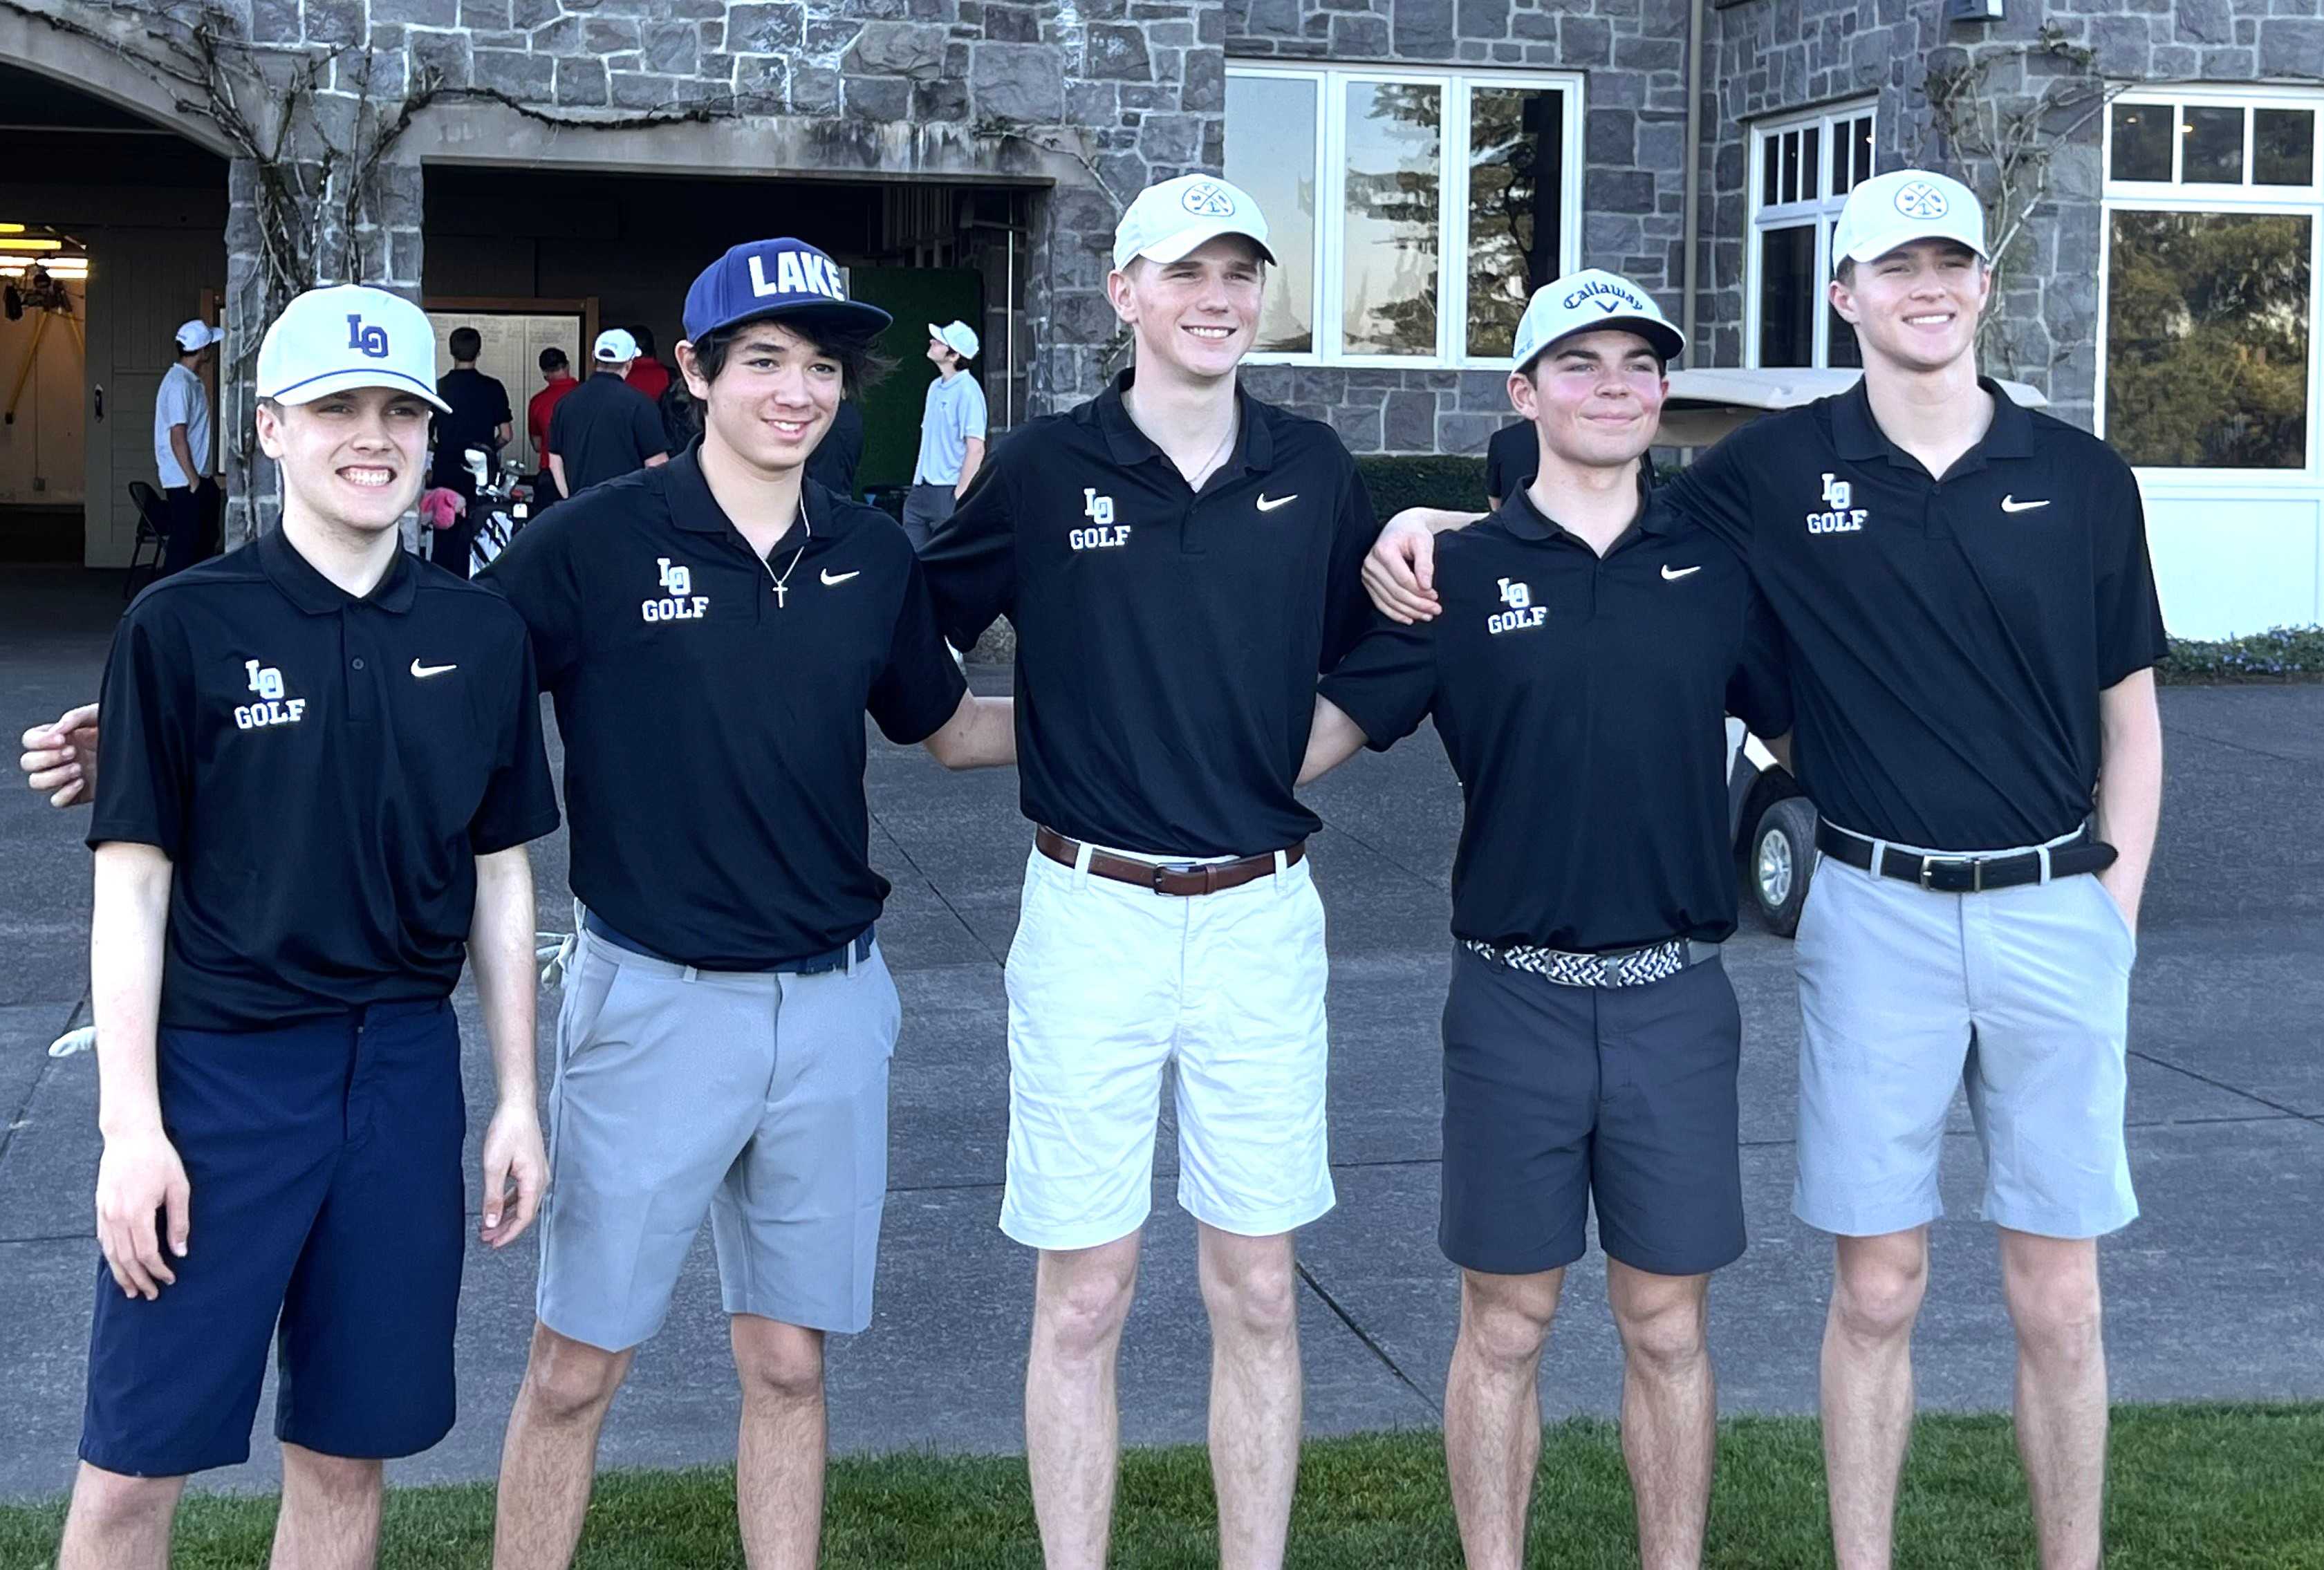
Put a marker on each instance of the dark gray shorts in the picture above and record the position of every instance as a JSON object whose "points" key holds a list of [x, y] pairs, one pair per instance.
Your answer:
{"points": [[1557, 1096]]}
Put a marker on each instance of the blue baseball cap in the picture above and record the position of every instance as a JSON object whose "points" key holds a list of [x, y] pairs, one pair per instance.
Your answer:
{"points": [[774, 278]]}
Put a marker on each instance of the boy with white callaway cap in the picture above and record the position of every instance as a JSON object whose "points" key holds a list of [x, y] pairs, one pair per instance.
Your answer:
{"points": [[1966, 588], [1180, 561], [321, 759], [951, 432], [1593, 643]]}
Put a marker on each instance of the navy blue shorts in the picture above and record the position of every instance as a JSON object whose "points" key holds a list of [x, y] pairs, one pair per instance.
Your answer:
{"points": [[325, 1161], [1562, 1099]]}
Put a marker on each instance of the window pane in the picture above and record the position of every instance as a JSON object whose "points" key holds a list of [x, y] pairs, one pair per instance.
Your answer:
{"points": [[1517, 161], [2207, 340], [1787, 296], [2142, 142], [1791, 166], [2283, 147], [1271, 154], [1842, 352], [1388, 285], [1771, 152], [1863, 151], [1812, 144], [2214, 154]]}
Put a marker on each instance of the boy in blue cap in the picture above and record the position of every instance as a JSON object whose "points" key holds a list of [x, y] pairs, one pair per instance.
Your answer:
{"points": [[723, 1048]]}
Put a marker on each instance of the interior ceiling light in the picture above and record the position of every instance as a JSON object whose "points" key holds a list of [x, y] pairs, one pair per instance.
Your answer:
{"points": [[9, 243], [12, 228]]}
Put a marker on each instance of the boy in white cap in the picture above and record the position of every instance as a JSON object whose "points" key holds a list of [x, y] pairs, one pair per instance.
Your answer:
{"points": [[1966, 588], [182, 447], [951, 432], [1592, 642], [1180, 561], [321, 760]]}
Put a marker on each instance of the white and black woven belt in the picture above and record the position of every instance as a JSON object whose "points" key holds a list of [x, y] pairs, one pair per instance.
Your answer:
{"points": [[1617, 968]]}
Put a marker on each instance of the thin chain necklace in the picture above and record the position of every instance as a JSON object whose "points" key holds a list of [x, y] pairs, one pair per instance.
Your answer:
{"points": [[1218, 454], [806, 533]]}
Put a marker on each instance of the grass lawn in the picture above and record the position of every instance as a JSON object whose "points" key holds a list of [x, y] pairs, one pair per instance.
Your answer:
{"points": [[2212, 1487]]}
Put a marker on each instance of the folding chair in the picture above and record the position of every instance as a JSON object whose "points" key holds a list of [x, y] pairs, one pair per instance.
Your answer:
{"points": [[152, 528]]}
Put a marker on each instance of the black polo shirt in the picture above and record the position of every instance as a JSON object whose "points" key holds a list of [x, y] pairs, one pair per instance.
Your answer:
{"points": [[1167, 643], [714, 737], [1949, 637], [479, 407], [1512, 459], [1583, 702], [603, 429], [322, 771]]}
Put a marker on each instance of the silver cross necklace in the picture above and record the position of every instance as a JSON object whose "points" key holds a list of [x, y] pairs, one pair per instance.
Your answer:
{"points": [[806, 533]]}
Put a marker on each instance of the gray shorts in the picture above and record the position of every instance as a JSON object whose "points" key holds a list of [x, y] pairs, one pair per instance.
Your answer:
{"points": [[2021, 996], [759, 1099]]}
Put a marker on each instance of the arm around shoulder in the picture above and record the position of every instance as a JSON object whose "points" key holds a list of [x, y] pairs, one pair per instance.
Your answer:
{"points": [[980, 734]]}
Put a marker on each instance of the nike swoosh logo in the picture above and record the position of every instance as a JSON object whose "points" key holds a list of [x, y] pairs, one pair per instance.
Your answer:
{"points": [[1672, 575], [1268, 504], [2011, 504], [424, 672], [830, 577]]}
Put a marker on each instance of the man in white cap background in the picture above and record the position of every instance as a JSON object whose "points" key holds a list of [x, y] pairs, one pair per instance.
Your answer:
{"points": [[1180, 562], [321, 760], [605, 428], [184, 454], [1591, 643], [952, 433], [1972, 621]]}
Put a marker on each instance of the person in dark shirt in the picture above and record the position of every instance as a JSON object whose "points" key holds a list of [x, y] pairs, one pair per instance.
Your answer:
{"points": [[1593, 641], [480, 418], [841, 449], [605, 428], [1512, 458]]}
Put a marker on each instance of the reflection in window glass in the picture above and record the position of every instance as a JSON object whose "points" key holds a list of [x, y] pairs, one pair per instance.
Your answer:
{"points": [[1271, 154], [1788, 294], [1389, 272], [2283, 147], [2207, 340], [2143, 135], [2214, 152], [1516, 149]]}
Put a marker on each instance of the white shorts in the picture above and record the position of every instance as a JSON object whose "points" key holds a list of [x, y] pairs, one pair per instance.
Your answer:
{"points": [[1108, 983]]}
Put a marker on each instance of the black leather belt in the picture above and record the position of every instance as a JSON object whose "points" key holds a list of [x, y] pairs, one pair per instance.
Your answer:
{"points": [[813, 965], [2085, 852]]}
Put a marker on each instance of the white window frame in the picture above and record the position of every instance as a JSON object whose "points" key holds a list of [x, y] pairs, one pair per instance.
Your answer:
{"points": [[1822, 211], [2212, 196], [1453, 205]]}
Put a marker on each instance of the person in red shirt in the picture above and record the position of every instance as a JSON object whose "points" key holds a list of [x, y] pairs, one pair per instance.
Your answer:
{"points": [[647, 375], [557, 371]]}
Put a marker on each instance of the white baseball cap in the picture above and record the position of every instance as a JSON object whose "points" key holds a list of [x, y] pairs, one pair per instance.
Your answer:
{"points": [[957, 336], [328, 340], [1167, 221], [1586, 302], [198, 334], [614, 346], [1906, 205]]}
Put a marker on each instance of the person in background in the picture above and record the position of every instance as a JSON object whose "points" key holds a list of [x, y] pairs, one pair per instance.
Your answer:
{"points": [[833, 466], [558, 379], [605, 428], [1512, 460], [182, 447], [952, 433], [481, 418], [646, 373]]}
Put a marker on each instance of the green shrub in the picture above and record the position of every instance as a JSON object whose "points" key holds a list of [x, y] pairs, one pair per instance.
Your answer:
{"points": [[2280, 654], [1396, 483]]}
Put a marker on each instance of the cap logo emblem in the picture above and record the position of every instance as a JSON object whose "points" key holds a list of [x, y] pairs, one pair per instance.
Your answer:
{"points": [[371, 341], [1205, 200], [1919, 199], [1605, 296], [796, 273]]}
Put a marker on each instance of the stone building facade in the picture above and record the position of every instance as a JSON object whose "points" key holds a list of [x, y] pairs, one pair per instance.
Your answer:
{"points": [[1059, 110]]}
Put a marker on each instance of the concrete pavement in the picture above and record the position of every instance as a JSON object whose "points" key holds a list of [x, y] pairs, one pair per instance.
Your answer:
{"points": [[2211, 1294]]}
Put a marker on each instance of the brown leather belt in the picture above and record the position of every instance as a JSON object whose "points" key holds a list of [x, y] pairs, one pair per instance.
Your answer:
{"points": [[1178, 877]]}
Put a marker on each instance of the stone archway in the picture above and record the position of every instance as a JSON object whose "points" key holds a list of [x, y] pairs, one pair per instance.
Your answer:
{"points": [[79, 54]]}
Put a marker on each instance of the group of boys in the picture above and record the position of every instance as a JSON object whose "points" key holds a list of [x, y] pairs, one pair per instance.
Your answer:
{"points": [[1972, 711]]}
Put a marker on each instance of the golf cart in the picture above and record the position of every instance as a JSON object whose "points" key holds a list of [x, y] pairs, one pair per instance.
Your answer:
{"points": [[1771, 819]]}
